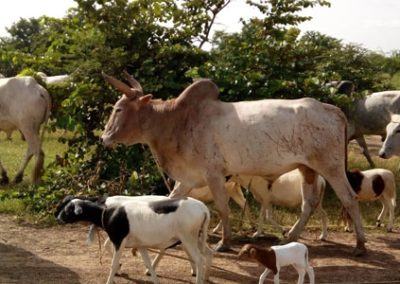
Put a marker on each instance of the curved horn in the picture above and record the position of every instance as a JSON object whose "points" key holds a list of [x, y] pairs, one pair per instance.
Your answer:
{"points": [[120, 86], [132, 81]]}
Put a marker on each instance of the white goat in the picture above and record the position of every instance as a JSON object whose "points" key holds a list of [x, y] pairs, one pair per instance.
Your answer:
{"points": [[275, 257], [372, 185], [286, 191], [140, 225]]}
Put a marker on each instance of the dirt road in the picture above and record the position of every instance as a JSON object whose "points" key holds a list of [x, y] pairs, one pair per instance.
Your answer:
{"points": [[59, 254]]}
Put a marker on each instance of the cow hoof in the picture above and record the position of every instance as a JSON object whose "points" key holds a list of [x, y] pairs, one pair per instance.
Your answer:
{"points": [[220, 247], [360, 250], [18, 178]]}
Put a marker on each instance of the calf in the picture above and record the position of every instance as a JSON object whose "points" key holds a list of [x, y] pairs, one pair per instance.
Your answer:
{"points": [[286, 191], [142, 224], [371, 185], [275, 257]]}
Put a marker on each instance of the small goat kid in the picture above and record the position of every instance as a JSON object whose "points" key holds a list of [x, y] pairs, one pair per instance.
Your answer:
{"points": [[371, 185], [141, 225], [275, 257]]}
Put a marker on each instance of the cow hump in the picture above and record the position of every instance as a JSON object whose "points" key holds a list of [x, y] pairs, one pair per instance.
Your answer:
{"points": [[202, 89]]}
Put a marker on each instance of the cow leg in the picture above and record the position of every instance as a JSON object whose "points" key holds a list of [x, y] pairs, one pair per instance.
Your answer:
{"points": [[324, 221], [238, 197], [268, 218], [310, 201], [34, 148], [361, 142], [221, 198], [345, 193], [260, 221], [179, 191], [4, 177]]}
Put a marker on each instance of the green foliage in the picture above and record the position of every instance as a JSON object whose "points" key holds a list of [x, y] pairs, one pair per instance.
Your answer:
{"points": [[159, 42]]}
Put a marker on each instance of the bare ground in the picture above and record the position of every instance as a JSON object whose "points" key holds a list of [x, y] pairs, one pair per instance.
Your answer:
{"points": [[59, 254]]}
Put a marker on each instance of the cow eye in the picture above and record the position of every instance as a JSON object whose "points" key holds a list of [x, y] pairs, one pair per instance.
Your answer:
{"points": [[398, 130], [118, 110]]}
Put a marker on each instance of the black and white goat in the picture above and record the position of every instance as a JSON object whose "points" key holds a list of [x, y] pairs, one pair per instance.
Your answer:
{"points": [[372, 185], [275, 257], [118, 200], [140, 224], [204, 194]]}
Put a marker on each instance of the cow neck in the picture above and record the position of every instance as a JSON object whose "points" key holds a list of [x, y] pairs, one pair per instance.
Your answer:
{"points": [[159, 125]]}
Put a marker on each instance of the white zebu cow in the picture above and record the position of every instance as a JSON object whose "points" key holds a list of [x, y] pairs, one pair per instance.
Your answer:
{"points": [[391, 145], [286, 191], [199, 140], [24, 105], [53, 79], [370, 115]]}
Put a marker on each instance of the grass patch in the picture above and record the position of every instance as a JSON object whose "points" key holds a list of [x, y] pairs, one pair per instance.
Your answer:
{"points": [[14, 206], [12, 153]]}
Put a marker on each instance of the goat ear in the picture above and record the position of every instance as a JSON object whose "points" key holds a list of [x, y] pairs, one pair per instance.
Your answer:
{"points": [[78, 209]]}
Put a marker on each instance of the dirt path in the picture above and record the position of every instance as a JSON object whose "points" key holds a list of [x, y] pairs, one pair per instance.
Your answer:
{"points": [[60, 255]]}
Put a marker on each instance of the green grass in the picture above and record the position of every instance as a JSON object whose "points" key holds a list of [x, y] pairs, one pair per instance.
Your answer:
{"points": [[12, 153]]}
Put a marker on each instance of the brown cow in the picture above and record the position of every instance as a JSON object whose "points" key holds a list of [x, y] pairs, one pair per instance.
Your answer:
{"points": [[199, 140]]}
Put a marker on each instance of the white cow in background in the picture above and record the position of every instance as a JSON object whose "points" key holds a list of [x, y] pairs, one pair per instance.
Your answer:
{"points": [[199, 140], [391, 145], [370, 115], [24, 105], [53, 79]]}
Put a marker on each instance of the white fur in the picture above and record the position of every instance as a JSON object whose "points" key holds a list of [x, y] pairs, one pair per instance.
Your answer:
{"points": [[286, 191], [25, 106], [295, 254], [387, 198], [234, 191], [151, 230]]}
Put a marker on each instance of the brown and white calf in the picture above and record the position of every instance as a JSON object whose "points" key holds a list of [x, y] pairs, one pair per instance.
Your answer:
{"points": [[198, 140], [370, 185], [275, 257]]}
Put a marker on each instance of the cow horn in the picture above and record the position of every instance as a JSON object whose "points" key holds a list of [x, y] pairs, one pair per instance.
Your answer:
{"points": [[120, 86], [132, 81]]}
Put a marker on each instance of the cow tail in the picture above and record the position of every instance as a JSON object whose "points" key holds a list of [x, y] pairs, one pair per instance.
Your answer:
{"points": [[46, 96]]}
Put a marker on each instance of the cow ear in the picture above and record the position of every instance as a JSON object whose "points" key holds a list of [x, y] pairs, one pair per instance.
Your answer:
{"points": [[78, 209], [145, 99]]}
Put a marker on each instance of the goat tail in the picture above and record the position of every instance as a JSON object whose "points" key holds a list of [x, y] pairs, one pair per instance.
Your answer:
{"points": [[204, 232]]}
